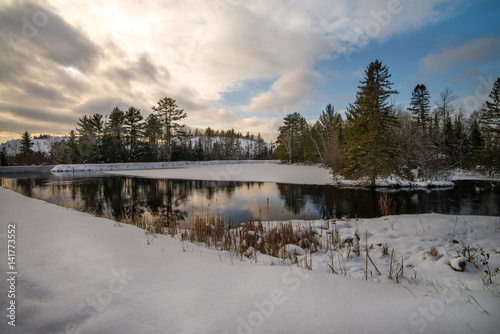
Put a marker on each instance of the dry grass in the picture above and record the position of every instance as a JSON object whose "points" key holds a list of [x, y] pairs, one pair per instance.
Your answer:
{"points": [[254, 237], [433, 251], [386, 205]]}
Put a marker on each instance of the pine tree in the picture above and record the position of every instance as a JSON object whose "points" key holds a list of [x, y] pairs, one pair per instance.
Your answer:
{"points": [[114, 126], [372, 150], [133, 125], [170, 114], [420, 106], [26, 143]]}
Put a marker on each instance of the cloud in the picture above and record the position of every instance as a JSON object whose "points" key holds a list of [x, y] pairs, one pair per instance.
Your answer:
{"points": [[78, 57], [476, 51], [35, 31], [289, 93]]}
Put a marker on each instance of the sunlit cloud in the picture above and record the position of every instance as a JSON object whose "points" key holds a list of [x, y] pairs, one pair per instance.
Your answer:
{"points": [[63, 59]]}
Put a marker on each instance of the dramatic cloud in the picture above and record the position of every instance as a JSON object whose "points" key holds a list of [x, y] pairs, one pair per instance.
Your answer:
{"points": [[72, 58]]}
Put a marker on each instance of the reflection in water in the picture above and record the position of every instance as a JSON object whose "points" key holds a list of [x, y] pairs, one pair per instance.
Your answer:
{"points": [[182, 200]]}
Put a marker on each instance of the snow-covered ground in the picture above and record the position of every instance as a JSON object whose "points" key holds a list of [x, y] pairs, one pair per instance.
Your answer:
{"points": [[76, 273]]}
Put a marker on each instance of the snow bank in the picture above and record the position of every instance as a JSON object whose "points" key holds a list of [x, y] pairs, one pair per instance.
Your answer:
{"points": [[148, 165], [391, 182], [80, 274]]}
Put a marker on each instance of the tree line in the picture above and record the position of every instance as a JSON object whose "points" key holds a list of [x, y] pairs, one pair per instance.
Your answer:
{"points": [[378, 138], [126, 136]]}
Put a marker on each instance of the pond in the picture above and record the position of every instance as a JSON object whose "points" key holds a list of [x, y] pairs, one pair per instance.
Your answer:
{"points": [[183, 200]]}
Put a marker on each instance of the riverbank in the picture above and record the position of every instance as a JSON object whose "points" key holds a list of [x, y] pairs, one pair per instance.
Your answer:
{"points": [[79, 273]]}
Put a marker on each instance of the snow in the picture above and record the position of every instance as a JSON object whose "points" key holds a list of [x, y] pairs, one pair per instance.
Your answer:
{"points": [[392, 181], [458, 263], [13, 147], [80, 274], [78, 168], [250, 171]]}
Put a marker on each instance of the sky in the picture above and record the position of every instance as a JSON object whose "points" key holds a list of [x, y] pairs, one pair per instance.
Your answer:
{"points": [[242, 64]]}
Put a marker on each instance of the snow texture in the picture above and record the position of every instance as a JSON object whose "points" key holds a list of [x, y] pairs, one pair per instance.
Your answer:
{"points": [[80, 274], [249, 171], [150, 165]]}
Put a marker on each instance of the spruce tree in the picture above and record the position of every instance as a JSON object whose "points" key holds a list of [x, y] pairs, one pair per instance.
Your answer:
{"points": [[477, 145], [491, 122], [420, 106], [26, 143], [372, 150], [3, 157], [491, 117]]}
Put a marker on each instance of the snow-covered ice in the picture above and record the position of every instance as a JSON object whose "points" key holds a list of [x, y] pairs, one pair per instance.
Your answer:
{"points": [[80, 274], [251, 172]]}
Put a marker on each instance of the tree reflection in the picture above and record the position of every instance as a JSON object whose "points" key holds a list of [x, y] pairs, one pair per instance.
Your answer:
{"points": [[169, 201]]}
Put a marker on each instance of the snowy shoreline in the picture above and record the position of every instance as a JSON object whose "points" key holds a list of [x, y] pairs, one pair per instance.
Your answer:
{"points": [[80, 273]]}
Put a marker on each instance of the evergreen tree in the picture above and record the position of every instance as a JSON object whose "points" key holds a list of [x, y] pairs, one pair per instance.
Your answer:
{"points": [[74, 152], [491, 122], [477, 145], [115, 124], [26, 143], [170, 114], [90, 129], [372, 150], [3, 157], [133, 119], [327, 138], [153, 131], [198, 151], [420, 106], [293, 138], [491, 117]]}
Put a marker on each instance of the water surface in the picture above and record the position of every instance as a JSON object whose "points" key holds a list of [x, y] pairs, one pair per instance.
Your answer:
{"points": [[182, 200]]}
